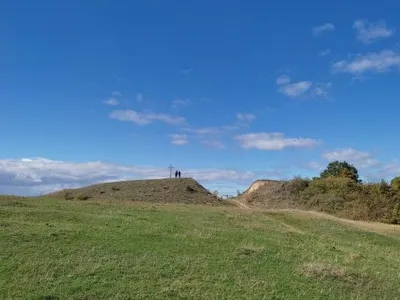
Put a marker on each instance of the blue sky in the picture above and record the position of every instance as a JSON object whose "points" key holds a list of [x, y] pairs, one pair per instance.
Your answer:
{"points": [[226, 91]]}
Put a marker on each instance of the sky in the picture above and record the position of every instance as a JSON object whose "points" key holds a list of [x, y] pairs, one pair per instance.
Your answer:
{"points": [[225, 91]]}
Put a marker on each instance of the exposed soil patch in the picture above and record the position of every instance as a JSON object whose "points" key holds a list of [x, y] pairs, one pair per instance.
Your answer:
{"points": [[185, 190]]}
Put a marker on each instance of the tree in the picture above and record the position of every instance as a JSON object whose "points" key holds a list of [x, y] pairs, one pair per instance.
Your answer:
{"points": [[341, 169], [395, 183]]}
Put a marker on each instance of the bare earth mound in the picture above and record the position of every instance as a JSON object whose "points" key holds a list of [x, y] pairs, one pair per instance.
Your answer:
{"points": [[185, 190], [267, 194]]}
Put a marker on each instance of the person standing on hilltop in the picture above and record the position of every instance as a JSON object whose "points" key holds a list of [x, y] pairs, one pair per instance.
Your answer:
{"points": [[179, 174], [176, 173]]}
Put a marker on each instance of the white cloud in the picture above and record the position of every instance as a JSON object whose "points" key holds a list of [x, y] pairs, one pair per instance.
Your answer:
{"points": [[245, 117], [273, 141], [321, 90], [368, 32], [320, 30], [283, 79], [179, 139], [214, 144], [203, 130], [296, 89], [112, 102], [211, 136], [145, 118], [210, 131], [180, 102], [359, 158], [371, 62], [314, 165], [32, 176], [387, 170], [139, 97], [325, 52]]}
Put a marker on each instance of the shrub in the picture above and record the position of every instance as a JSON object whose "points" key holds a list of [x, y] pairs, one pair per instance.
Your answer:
{"points": [[82, 196], [297, 184], [68, 195], [333, 195], [333, 184], [395, 184], [395, 219]]}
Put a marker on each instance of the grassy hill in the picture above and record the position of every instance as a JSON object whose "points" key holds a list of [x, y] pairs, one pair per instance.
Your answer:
{"points": [[185, 190], [57, 249]]}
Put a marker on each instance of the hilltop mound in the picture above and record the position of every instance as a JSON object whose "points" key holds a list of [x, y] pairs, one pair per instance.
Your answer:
{"points": [[185, 190]]}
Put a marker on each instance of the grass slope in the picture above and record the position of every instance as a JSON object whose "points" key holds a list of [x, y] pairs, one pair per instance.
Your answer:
{"points": [[185, 190], [55, 249]]}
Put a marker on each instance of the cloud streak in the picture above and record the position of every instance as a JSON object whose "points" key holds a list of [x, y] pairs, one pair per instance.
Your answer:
{"points": [[112, 102], [322, 29], [214, 144], [301, 88], [180, 103], [325, 52], [283, 80], [358, 158], [145, 118], [243, 117], [273, 141], [296, 89], [379, 62], [368, 32], [179, 139]]}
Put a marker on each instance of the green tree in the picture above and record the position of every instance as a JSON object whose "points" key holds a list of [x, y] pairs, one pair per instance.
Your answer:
{"points": [[341, 169], [395, 183]]}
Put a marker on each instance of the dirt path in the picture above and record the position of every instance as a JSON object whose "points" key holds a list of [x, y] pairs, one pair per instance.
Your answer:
{"points": [[246, 207], [240, 204], [376, 227]]}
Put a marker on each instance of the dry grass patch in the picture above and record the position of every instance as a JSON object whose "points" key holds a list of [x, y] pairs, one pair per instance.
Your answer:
{"points": [[323, 271]]}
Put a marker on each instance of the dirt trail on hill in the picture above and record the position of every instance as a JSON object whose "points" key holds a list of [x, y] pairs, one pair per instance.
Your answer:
{"points": [[273, 196], [376, 227], [369, 226]]}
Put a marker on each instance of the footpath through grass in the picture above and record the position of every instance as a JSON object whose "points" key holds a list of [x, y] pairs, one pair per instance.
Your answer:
{"points": [[54, 249]]}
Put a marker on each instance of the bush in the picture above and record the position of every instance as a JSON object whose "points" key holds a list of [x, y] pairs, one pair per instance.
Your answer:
{"points": [[82, 196], [395, 218], [68, 195], [297, 184], [395, 184], [341, 196], [340, 185]]}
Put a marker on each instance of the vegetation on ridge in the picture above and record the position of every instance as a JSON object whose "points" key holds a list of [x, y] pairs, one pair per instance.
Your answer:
{"points": [[337, 191]]}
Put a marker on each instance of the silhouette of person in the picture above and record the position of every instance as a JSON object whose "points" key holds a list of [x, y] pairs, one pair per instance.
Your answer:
{"points": [[176, 173], [179, 174]]}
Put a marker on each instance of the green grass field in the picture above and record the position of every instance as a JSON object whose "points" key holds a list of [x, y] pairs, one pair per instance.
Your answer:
{"points": [[57, 249]]}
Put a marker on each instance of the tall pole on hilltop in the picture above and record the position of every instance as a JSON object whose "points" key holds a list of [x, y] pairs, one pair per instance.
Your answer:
{"points": [[170, 171]]}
